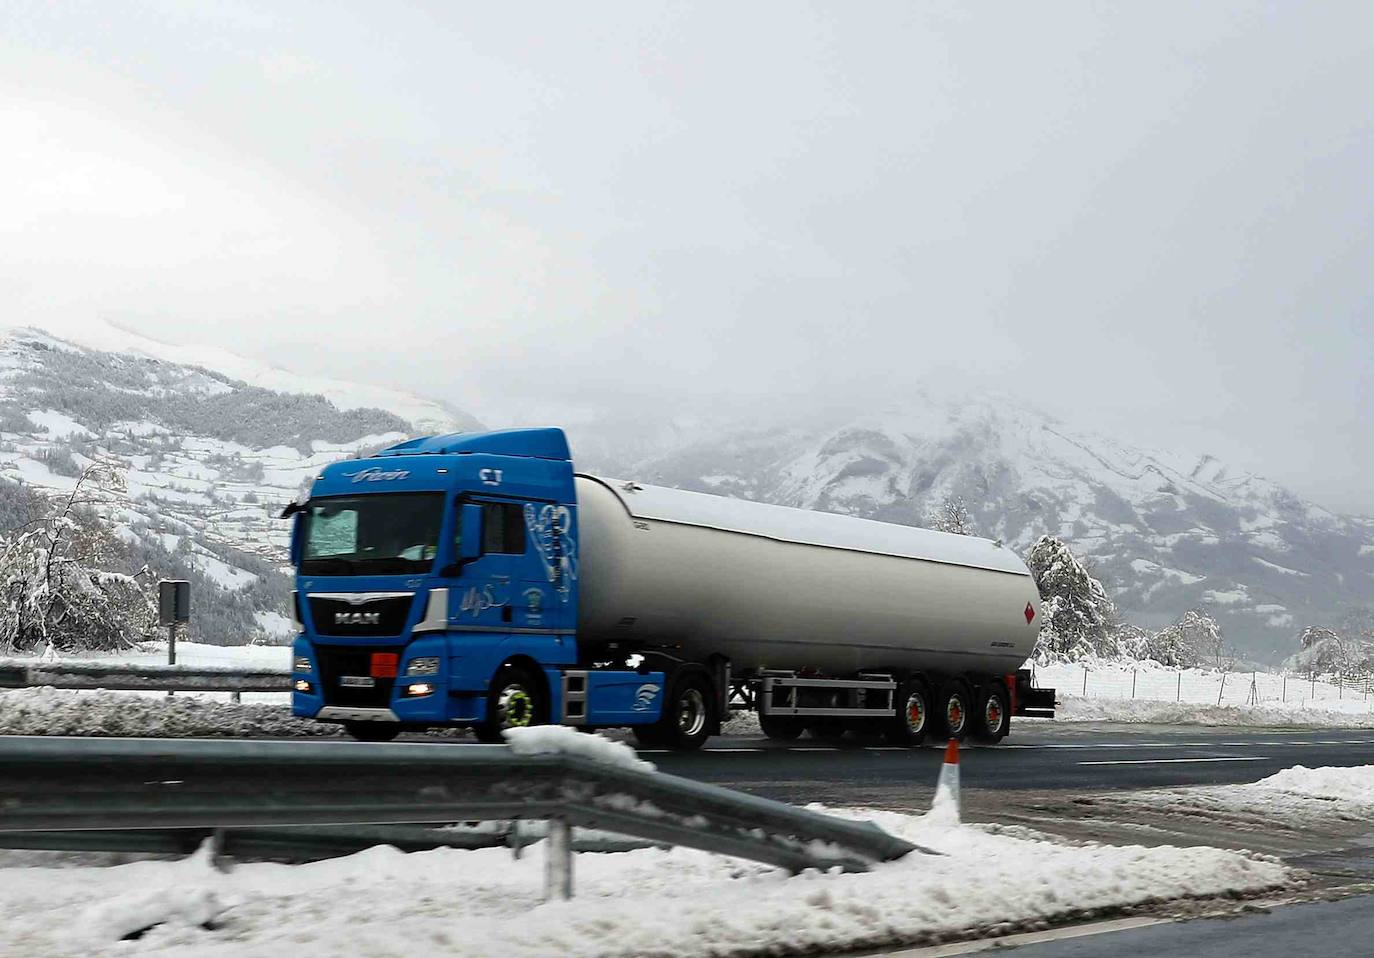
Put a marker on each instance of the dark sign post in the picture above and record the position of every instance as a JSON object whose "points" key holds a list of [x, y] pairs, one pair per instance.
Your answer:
{"points": [[173, 608]]}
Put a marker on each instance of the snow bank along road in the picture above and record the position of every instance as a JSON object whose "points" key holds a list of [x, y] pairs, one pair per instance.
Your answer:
{"points": [[668, 903]]}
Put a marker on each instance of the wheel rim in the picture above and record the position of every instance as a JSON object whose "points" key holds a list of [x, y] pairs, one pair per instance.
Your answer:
{"points": [[691, 712], [915, 713], [955, 715], [515, 706], [992, 714]]}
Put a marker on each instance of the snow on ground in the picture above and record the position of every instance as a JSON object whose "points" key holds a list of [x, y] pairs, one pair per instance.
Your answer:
{"points": [[1074, 708], [48, 711], [383, 903], [1295, 798], [1150, 681]]}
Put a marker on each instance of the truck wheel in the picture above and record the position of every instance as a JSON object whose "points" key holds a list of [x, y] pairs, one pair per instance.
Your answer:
{"points": [[781, 728], [956, 711], [686, 721], [912, 722], [373, 731], [992, 721], [516, 700]]}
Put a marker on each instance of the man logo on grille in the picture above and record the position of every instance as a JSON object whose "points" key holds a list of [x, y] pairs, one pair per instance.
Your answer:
{"points": [[357, 618]]}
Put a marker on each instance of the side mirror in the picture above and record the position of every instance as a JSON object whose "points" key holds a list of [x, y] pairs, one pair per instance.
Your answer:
{"points": [[470, 533]]}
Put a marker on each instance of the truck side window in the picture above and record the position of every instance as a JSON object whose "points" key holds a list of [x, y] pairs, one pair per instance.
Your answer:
{"points": [[503, 528]]}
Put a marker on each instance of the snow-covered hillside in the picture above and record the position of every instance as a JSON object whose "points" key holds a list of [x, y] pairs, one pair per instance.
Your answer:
{"points": [[1165, 531], [204, 460]]}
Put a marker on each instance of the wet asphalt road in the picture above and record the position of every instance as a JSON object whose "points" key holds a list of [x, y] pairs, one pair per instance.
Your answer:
{"points": [[1082, 758], [1343, 928]]}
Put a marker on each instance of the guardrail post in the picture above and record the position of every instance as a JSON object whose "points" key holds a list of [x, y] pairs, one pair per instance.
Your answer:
{"points": [[558, 862]]}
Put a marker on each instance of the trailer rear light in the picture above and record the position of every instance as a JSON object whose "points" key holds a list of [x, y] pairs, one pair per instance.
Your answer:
{"points": [[424, 665], [302, 664], [301, 685], [418, 689]]}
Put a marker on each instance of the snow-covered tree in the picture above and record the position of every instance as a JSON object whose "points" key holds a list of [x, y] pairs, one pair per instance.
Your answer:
{"points": [[1329, 652], [953, 516], [1077, 617], [55, 589], [1188, 641]]}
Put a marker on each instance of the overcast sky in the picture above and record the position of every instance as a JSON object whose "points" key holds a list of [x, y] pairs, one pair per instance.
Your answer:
{"points": [[1154, 219]]}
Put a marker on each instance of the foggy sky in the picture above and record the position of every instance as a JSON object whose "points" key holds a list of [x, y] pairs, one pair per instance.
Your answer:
{"points": [[1153, 219]]}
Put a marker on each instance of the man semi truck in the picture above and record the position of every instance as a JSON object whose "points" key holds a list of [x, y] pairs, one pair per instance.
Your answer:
{"points": [[476, 580]]}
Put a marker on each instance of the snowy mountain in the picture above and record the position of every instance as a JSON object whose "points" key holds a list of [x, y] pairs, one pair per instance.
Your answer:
{"points": [[209, 445], [204, 459], [1165, 531]]}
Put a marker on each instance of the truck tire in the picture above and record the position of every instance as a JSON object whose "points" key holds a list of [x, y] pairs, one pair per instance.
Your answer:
{"points": [[373, 731], [912, 722], [782, 728], [516, 700], [955, 715], [992, 720], [686, 721]]}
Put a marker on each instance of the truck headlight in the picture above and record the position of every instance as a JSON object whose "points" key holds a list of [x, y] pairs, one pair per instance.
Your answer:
{"points": [[418, 689], [302, 664], [424, 665], [301, 685]]}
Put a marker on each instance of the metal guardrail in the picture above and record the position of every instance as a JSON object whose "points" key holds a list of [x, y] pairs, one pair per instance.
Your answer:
{"points": [[59, 785], [141, 678], [296, 844]]}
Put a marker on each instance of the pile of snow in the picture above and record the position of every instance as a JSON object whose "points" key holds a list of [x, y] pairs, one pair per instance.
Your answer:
{"points": [[1350, 786], [1073, 708], [562, 740], [1294, 799], [684, 903], [48, 711]]}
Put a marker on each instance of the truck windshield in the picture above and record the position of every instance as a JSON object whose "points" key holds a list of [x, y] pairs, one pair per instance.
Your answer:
{"points": [[371, 535]]}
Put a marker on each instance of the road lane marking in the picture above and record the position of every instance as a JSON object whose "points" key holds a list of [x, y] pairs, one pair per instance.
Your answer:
{"points": [[1178, 761]]}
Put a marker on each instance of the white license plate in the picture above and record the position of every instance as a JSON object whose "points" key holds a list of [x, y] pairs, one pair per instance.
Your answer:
{"points": [[357, 681]]}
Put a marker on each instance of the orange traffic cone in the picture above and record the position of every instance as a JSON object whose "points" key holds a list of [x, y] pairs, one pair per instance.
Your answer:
{"points": [[946, 801]]}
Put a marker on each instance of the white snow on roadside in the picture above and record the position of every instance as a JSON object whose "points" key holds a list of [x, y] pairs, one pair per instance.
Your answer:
{"points": [[675, 904], [1073, 708], [565, 740], [1294, 799], [48, 711]]}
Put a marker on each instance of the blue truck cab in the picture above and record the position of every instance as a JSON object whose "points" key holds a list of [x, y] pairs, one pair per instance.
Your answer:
{"points": [[437, 586]]}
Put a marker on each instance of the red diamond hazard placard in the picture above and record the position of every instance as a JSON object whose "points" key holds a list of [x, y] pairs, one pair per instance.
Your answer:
{"points": [[1030, 613]]}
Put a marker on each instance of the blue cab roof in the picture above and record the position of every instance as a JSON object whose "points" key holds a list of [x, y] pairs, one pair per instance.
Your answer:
{"points": [[531, 443]]}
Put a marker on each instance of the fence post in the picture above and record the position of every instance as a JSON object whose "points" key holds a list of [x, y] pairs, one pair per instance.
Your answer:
{"points": [[1222, 690], [1085, 681], [1285, 689], [558, 865], [1178, 695], [1132, 683]]}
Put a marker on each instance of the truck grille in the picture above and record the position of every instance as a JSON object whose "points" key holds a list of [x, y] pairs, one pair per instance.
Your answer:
{"points": [[335, 663], [385, 615]]}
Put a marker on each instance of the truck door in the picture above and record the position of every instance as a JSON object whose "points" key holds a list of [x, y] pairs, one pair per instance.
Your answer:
{"points": [[488, 589]]}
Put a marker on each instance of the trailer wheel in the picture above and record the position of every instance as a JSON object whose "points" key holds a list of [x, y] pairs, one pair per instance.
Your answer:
{"points": [[955, 716], [516, 700], [781, 728], [913, 720], [373, 731], [686, 721], [992, 721]]}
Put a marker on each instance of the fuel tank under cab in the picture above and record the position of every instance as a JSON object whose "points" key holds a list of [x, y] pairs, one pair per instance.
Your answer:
{"points": [[777, 588]]}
